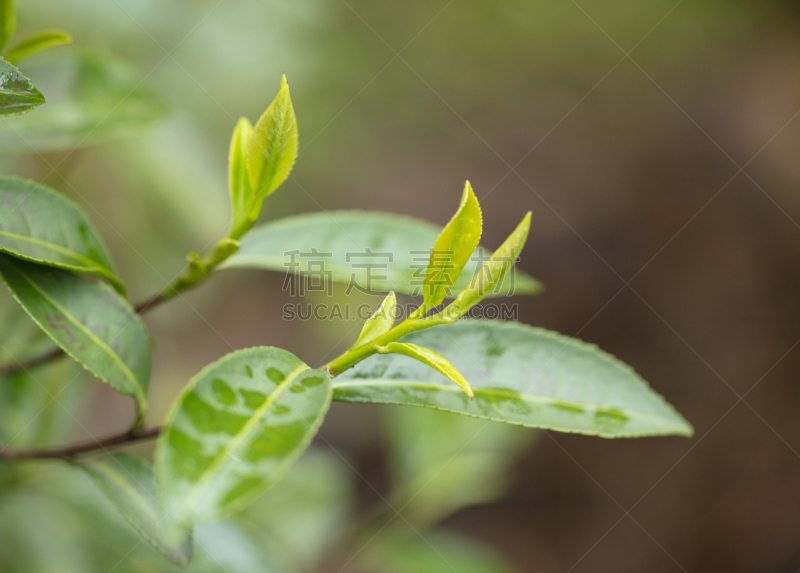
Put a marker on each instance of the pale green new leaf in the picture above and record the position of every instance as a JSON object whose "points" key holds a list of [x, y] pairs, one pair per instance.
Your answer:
{"points": [[272, 149], [92, 98], [91, 322], [520, 375], [376, 251], [429, 357], [130, 485], [380, 322], [40, 225], [453, 248], [17, 93], [40, 41], [235, 430], [238, 181], [489, 276], [8, 21]]}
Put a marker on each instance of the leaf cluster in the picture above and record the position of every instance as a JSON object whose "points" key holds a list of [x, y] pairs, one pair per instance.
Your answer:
{"points": [[242, 422]]}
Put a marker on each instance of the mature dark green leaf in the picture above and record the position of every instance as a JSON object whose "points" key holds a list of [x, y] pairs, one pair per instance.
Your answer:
{"points": [[272, 148], [453, 248], [17, 93], [90, 321], [36, 43], [8, 21], [92, 98], [375, 251], [520, 375], [236, 429], [435, 552], [130, 485], [41, 225], [466, 463], [380, 322]]}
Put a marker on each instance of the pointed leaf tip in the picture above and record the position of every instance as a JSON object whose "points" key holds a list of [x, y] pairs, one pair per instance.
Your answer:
{"points": [[429, 357], [272, 149], [453, 248], [492, 272]]}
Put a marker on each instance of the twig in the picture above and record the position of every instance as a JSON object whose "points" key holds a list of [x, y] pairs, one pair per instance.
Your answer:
{"points": [[69, 452]]}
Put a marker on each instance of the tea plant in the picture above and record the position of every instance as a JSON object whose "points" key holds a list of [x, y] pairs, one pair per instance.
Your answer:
{"points": [[242, 422]]}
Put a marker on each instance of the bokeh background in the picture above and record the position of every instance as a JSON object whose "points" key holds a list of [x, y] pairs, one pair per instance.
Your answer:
{"points": [[656, 144]]}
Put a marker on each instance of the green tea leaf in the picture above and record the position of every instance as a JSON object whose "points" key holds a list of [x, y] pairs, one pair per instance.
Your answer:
{"points": [[36, 43], [272, 149], [90, 321], [91, 98], [61, 522], [8, 21], [40, 225], [17, 94], [241, 193], [453, 248], [438, 552], [373, 251], [430, 358], [489, 276], [380, 322], [236, 429], [130, 485], [520, 375], [442, 462]]}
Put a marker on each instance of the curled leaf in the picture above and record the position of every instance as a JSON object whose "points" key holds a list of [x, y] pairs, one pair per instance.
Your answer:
{"points": [[429, 357], [453, 248], [272, 148], [380, 322], [492, 272], [241, 191], [38, 42]]}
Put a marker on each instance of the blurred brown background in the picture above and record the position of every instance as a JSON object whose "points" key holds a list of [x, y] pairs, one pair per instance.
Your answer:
{"points": [[655, 143]]}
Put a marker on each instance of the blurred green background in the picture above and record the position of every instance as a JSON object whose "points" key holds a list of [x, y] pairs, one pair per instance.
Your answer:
{"points": [[624, 126]]}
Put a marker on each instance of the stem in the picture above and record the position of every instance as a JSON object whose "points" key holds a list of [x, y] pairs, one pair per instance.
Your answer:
{"points": [[199, 269], [356, 355], [69, 452]]}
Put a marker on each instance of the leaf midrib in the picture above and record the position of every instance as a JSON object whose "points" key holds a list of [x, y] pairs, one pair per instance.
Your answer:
{"points": [[103, 346], [525, 397], [54, 247]]}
